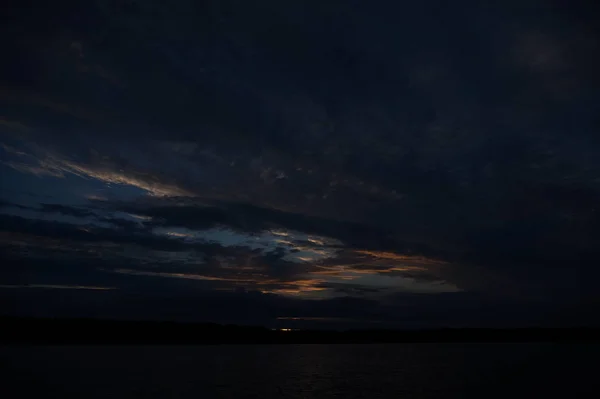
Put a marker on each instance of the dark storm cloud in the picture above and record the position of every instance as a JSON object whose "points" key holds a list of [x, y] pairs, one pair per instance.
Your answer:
{"points": [[366, 148]]}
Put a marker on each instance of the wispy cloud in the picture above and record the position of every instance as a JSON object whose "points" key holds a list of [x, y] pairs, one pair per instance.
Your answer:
{"points": [[147, 183], [55, 166], [35, 170]]}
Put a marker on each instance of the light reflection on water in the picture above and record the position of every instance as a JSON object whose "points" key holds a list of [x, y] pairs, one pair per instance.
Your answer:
{"points": [[299, 371]]}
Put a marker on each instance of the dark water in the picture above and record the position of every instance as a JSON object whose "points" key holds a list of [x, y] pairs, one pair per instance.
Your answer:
{"points": [[303, 371]]}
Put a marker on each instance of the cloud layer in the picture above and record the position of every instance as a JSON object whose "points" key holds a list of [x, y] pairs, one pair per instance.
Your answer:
{"points": [[316, 153]]}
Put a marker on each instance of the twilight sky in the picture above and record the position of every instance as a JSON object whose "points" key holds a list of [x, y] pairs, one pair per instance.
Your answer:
{"points": [[306, 163]]}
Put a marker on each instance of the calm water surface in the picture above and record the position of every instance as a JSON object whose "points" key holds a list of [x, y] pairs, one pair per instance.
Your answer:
{"points": [[303, 371]]}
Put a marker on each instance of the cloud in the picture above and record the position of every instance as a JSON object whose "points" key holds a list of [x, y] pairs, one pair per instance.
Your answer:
{"points": [[35, 170], [256, 262], [56, 167], [66, 210], [366, 154]]}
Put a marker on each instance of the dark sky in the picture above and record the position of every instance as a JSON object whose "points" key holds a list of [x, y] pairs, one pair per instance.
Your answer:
{"points": [[418, 163]]}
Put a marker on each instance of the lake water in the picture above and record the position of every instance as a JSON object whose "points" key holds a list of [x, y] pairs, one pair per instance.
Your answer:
{"points": [[302, 371]]}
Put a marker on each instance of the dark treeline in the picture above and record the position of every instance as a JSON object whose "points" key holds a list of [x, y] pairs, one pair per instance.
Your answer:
{"points": [[15, 330]]}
